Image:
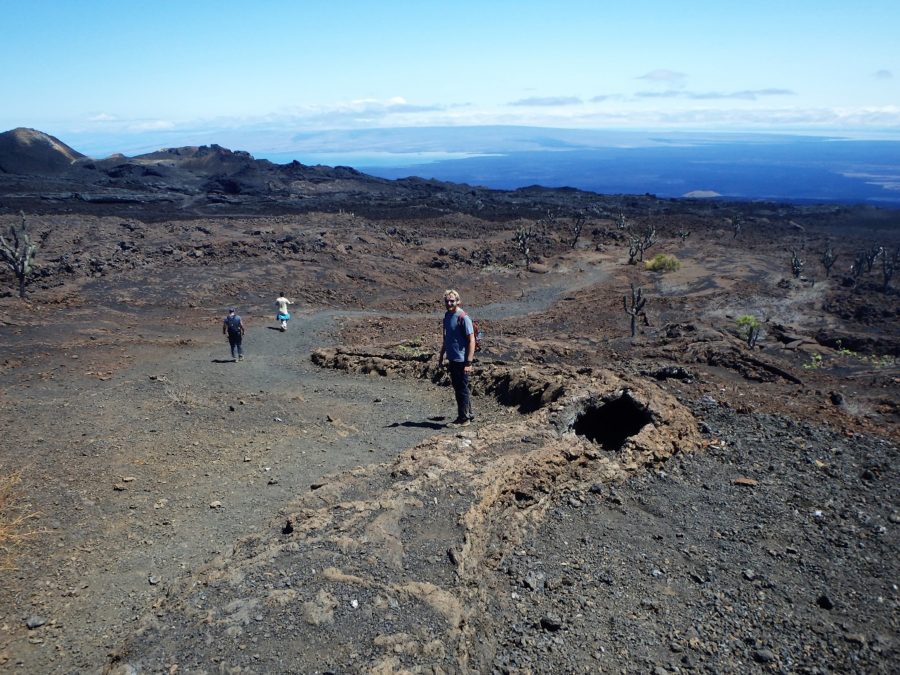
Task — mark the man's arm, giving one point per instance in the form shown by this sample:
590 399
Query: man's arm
470 349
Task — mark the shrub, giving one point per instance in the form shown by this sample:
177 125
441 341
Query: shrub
815 362
662 262
747 321
13 519
750 327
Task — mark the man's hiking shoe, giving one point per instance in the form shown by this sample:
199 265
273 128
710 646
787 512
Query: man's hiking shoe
460 422
240 358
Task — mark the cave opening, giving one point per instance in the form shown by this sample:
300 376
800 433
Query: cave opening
610 423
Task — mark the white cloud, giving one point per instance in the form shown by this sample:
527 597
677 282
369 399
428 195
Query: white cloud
151 125
102 117
663 75
547 101
745 94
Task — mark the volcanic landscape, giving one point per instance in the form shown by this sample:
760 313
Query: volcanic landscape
717 492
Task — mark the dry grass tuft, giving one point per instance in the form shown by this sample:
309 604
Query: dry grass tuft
14 516
180 395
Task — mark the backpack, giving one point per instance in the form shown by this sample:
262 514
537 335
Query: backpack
476 331
234 324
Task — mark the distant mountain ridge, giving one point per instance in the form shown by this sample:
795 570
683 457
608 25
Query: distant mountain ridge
42 173
35 166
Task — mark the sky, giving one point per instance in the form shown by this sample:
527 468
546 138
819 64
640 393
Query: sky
119 73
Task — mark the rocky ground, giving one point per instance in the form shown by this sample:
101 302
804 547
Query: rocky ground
672 502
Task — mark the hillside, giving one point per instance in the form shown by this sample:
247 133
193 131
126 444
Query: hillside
26 151
676 500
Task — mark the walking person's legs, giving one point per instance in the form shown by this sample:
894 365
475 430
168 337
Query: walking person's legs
460 380
237 348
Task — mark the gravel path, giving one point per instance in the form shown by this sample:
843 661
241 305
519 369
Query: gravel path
176 453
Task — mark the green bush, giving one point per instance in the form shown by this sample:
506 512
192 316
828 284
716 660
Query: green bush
747 321
663 262
750 328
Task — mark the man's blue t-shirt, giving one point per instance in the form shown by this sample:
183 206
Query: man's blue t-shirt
456 334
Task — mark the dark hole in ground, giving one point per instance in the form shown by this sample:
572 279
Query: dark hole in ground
610 423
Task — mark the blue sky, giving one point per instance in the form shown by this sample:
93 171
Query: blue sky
120 73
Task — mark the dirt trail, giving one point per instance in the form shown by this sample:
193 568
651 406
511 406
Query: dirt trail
137 460
164 452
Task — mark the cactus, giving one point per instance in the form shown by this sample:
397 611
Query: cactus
18 253
577 226
888 263
796 264
523 238
828 259
636 309
647 239
641 243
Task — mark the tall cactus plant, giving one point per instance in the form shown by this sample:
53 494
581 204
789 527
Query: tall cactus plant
18 253
637 307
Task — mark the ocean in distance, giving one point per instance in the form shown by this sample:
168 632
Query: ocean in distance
790 168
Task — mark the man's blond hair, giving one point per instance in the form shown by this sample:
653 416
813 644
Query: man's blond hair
451 293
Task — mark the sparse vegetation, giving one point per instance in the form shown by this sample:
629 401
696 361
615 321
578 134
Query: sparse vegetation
750 328
870 256
577 226
663 262
888 264
14 517
413 348
828 259
815 362
858 266
796 264
179 394
875 360
641 243
636 308
523 238
166 446
18 253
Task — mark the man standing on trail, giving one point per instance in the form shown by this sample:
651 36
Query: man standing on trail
459 347
283 315
233 327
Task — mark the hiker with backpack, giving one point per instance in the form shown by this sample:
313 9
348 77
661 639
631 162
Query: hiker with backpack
459 347
233 327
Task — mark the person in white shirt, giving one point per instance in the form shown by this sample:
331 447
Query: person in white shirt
283 315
